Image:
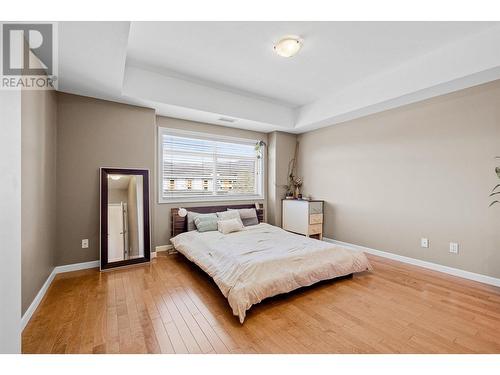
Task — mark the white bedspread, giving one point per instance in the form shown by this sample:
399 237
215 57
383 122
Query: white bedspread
263 261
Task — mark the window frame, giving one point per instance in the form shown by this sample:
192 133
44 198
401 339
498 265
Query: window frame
207 198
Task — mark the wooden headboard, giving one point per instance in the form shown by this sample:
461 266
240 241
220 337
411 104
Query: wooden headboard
179 224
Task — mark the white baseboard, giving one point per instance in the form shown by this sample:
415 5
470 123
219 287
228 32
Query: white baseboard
169 248
38 298
77 266
417 262
163 248
422 263
41 293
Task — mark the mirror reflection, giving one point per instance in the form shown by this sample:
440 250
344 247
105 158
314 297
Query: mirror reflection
125 217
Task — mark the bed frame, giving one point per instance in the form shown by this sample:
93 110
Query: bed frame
179 224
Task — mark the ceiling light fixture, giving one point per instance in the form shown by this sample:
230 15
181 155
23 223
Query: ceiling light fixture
227 119
288 46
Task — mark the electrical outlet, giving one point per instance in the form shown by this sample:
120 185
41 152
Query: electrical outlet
424 242
454 247
85 243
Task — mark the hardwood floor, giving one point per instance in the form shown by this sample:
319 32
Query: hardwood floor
170 306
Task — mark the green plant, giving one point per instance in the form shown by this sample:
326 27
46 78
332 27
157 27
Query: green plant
259 148
494 191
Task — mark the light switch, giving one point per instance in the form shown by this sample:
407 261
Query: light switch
85 243
424 242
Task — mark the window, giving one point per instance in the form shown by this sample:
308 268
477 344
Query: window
196 166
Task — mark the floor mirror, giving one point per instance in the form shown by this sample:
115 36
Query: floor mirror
125 229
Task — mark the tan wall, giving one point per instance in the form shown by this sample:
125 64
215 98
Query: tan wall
117 195
94 133
162 211
271 175
423 170
38 190
281 150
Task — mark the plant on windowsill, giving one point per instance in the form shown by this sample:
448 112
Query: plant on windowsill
494 191
259 148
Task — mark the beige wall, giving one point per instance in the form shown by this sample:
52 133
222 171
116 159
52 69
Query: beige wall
94 133
423 170
162 210
117 195
38 190
280 151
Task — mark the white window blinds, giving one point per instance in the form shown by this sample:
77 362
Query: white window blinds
198 167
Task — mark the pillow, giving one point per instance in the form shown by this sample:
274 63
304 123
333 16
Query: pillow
226 215
248 216
206 222
190 218
230 225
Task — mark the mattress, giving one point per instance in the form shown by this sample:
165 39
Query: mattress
262 261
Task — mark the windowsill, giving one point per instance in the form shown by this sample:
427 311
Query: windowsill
209 199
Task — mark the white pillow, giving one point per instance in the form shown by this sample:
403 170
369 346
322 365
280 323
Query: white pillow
226 215
228 226
248 216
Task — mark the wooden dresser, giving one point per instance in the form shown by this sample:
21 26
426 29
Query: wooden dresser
303 217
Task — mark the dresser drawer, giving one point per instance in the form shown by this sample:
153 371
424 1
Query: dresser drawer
315 228
316 219
315 207
303 216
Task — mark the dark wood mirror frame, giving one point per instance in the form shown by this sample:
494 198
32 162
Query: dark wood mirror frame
104 217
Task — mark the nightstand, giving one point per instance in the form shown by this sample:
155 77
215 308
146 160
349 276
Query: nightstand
303 217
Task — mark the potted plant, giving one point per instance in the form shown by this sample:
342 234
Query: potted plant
297 183
259 148
294 182
292 188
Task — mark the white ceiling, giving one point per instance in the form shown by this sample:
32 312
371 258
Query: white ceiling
202 71
120 184
240 54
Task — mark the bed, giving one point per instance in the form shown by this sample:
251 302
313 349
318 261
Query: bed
262 260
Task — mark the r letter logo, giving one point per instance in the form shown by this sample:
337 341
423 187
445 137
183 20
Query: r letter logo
28 55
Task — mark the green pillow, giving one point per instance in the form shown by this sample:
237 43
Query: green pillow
206 222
